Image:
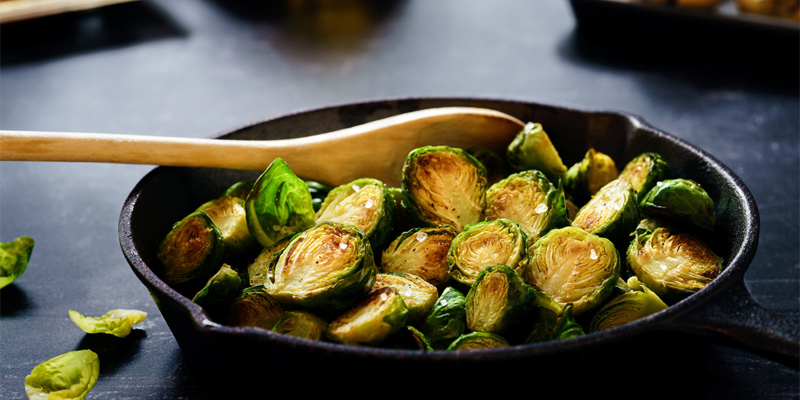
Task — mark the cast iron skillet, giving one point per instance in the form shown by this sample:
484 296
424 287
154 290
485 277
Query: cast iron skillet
723 311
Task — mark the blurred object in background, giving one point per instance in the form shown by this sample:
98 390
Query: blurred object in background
18 10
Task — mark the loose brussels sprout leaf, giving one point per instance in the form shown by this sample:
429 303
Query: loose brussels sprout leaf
258 270
529 199
644 171
67 376
408 338
672 264
447 320
255 307
443 186
612 212
220 290
499 300
192 250
318 192
228 214
14 258
376 317
484 244
532 149
682 200
420 251
239 189
550 325
326 268
117 322
302 324
496 167
279 205
626 308
584 178
573 266
478 341
365 203
419 295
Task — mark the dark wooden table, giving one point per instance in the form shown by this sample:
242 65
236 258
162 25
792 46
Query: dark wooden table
198 68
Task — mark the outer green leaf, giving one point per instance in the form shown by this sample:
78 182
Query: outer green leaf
14 257
68 376
117 322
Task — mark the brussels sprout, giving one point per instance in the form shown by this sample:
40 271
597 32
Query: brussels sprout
682 200
255 307
67 376
365 203
192 251
612 212
14 258
220 290
484 244
529 199
325 268
644 171
419 295
496 167
672 264
279 205
117 322
532 149
420 251
302 324
625 308
447 320
258 270
584 178
443 186
376 317
478 341
408 338
318 192
239 189
499 300
574 266
228 214
552 325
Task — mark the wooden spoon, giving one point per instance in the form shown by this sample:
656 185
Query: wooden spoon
376 149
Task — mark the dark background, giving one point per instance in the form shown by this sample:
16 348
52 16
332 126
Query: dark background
199 68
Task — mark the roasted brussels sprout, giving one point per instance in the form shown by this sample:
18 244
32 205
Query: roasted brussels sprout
484 244
529 199
255 307
554 325
672 264
478 341
443 186
365 203
375 318
67 376
14 258
117 322
532 149
239 189
325 268
574 266
192 251
258 270
625 308
408 338
302 324
496 167
420 251
447 320
279 205
612 212
584 178
499 300
419 295
220 290
644 171
683 200
228 214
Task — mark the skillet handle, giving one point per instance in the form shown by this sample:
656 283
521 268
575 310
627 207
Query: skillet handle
736 318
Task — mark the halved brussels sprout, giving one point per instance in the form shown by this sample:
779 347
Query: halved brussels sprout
326 268
612 212
117 322
192 251
419 295
529 199
496 167
420 251
683 200
376 317
644 171
478 341
228 214
258 270
672 264
574 266
365 203
552 325
279 205
447 320
302 324
484 244
532 149
499 300
67 376
584 178
255 307
239 189
220 290
625 308
443 186
408 338
318 192
14 258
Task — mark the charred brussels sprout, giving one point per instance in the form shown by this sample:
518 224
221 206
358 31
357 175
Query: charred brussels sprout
573 266
14 258
584 178
258 270
228 214
478 341
443 186
220 290
255 307
365 203
418 294
318 192
612 212
672 264
422 252
499 300
279 205
375 318
682 200
239 189
327 267
644 171
67 376
302 324
117 322
484 244
496 166
447 320
532 149
625 308
529 199
192 251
